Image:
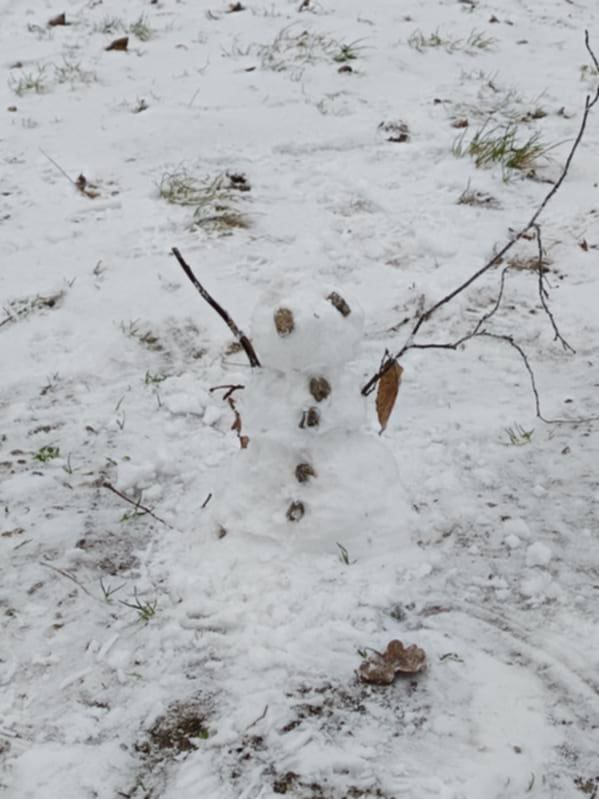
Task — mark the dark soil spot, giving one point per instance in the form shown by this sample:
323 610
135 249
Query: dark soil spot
179 730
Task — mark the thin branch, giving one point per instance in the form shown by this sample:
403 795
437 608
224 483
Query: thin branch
68 576
230 389
136 505
260 717
543 295
587 44
237 423
533 383
239 335
590 102
58 166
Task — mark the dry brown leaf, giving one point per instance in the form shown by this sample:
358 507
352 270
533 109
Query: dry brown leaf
85 187
59 19
121 43
387 393
381 668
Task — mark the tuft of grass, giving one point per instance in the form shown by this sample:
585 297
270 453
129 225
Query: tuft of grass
500 146
47 453
152 379
141 29
471 196
214 200
344 555
109 25
108 591
144 336
36 82
589 72
146 610
348 52
72 73
181 188
22 308
518 436
475 42
293 48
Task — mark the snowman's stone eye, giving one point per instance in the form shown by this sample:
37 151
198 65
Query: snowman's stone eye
284 321
310 418
320 388
339 303
304 471
295 511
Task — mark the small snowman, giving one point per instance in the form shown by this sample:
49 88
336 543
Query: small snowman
312 473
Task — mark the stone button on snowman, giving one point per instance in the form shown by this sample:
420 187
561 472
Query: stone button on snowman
312 474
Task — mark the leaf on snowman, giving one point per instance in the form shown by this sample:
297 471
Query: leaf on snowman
381 668
387 393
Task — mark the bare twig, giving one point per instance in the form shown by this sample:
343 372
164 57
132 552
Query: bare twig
68 576
260 717
237 424
589 103
533 383
543 295
206 501
230 389
239 335
58 166
136 505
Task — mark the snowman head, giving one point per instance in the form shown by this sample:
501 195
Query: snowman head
309 328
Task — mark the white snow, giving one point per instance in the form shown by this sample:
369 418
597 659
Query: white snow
538 554
211 648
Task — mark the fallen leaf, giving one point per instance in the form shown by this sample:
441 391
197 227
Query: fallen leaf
387 393
59 19
121 43
381 668
460 123
85 187
584 245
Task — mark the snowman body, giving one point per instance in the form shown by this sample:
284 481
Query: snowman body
311 475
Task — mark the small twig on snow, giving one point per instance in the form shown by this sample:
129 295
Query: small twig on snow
239 335
260 717
136 505
228 397
68 576
543 295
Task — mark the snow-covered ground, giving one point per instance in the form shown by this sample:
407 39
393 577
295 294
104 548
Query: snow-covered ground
143 656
